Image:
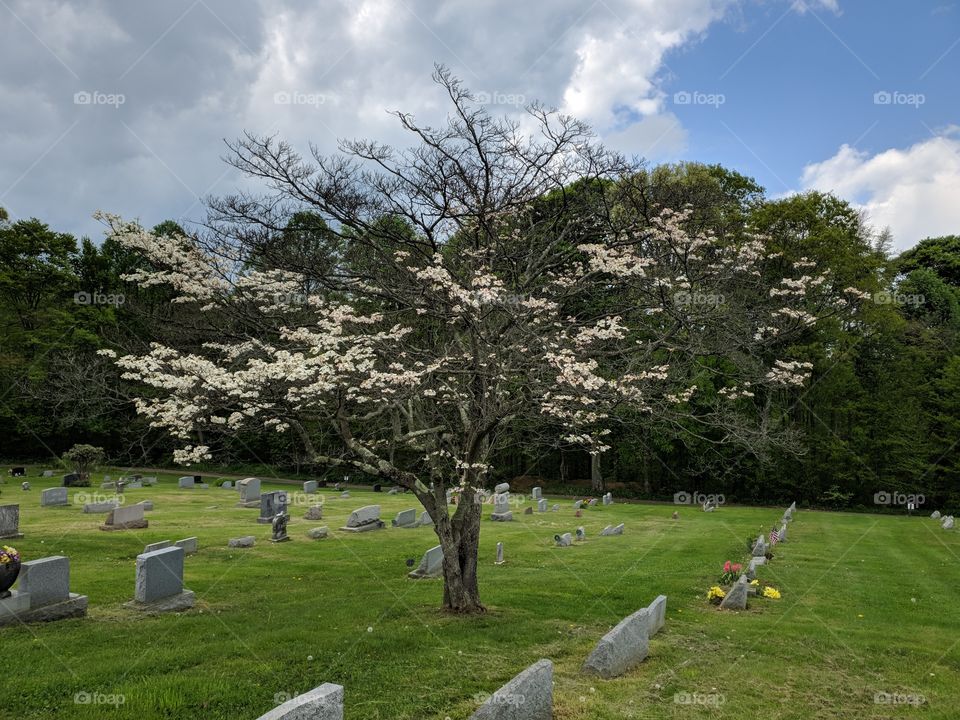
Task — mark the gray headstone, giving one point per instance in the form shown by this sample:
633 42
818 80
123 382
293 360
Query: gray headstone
581 534
365 518
394 490
159 575
153 547
227 485
271 505
622 648
736 598
24 486
502 488
310 486
935 515
9 521
126 516
431 565
499 553
528 696
48 473
314 512
321 703
247 541
565 540
612 530
947 523
47 580
100 507
186 482
542 505
318 533
249 489
537 493
53 496
425 519
608 499
592 502
189 545
501 506
147 504
555 508
578 504
657 615
405 518
759 547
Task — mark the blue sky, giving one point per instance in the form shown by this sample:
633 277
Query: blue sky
124 106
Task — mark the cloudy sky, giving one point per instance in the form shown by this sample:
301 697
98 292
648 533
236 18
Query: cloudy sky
124 105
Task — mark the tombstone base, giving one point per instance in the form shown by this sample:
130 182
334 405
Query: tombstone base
183 601
265 521
249 504
133 525
378 525
14 536
285 538
74 606
415 575
502 517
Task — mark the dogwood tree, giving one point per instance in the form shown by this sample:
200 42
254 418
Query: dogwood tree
491 275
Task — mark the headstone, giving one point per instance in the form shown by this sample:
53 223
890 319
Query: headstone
271 505
318 533
197 480
759 547
70 480
377 487
502 488
555 508
186 482
314 512
47 473
592 502
935 515
425 519
621 649
783 533
656 615
612 530
18 471
499 560
52 497
153 547
227 485
542 505
364 519
159 585
431 565
279 527
947 523
43 593
501 507
100 507
565 540
581 534
247 541
134 485
10 522
321 703
150 480
345 494
147 504
537 493
189 545
249 492
405 519
24 486
528 696
310 486
608 499
578 504
736 598
528 511
393 491
127 517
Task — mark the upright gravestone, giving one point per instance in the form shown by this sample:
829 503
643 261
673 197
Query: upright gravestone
47 473
153 547
314 512
405 519
528 696
249 489
499 560
736 597
310 486
555 508
622 648
542 505
578 504
947 523
189 545
96 508
377 487
657 615
612 530
271 505
279 527
52 497
502 488
70 480
537 493
501 507
321 703
10 522
759 547
431 565
608 499
425 519
129 517
935 515
581 534
159 585
564 540
43 593
186 482
364 519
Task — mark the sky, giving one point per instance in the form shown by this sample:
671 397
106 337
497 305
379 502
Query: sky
124 106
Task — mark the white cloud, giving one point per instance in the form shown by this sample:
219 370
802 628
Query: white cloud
913 191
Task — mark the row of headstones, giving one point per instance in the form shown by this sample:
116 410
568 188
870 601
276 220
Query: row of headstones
736 598
529 695
946 521
566 539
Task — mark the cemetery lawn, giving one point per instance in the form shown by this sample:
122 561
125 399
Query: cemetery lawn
869 605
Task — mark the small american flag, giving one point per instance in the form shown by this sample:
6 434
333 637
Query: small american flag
774 537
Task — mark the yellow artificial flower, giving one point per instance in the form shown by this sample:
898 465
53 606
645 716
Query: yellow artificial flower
754 582
772 593
716 592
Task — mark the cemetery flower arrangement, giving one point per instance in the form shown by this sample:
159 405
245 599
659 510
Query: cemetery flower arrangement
731 571
771 592
716 594
9 555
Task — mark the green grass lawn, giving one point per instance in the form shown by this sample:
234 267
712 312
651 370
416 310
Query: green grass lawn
870 605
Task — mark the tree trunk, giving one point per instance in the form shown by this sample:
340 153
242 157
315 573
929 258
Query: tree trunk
596 479
460 540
